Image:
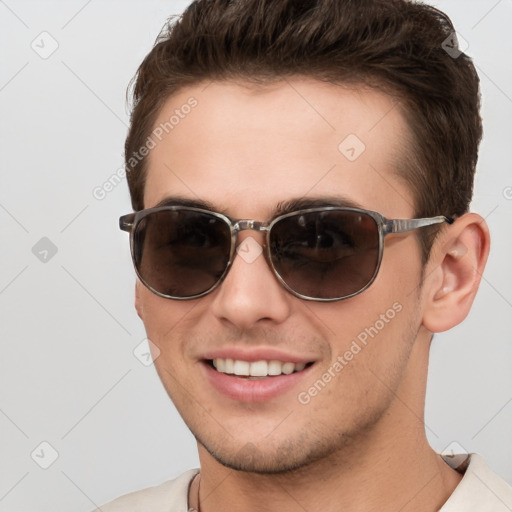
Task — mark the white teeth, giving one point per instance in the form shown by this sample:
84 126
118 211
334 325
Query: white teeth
288 368
241 367
229 366
257 368
274 367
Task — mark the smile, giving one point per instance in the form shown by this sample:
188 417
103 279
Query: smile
261 368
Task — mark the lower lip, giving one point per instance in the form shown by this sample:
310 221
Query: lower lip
257 390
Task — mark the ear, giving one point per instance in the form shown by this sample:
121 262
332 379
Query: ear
454 271
138 302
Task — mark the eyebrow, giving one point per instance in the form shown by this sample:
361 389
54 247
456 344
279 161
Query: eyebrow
303 203
185 201
283 207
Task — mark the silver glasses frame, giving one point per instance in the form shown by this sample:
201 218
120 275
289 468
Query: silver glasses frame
385 227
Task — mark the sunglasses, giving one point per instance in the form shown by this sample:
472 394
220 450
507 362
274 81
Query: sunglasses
322 254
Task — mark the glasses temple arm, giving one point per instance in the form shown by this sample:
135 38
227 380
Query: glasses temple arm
404 225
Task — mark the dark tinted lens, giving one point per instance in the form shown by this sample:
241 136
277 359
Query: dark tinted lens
181 253
326 255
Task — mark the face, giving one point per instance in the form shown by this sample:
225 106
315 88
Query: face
245 150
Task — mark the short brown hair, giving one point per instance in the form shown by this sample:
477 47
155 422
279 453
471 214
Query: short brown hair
399 46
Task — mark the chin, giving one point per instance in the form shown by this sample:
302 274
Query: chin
288 457
315 444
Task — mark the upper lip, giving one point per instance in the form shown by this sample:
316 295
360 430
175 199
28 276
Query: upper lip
256 354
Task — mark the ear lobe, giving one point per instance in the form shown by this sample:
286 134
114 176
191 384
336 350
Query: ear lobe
457 263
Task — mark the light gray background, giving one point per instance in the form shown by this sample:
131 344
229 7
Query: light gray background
68 375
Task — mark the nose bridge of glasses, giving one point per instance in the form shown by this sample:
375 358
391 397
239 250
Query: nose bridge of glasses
253 225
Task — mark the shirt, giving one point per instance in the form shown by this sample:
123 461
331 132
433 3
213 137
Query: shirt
480 490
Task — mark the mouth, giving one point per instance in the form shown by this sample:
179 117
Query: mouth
260 380
254 370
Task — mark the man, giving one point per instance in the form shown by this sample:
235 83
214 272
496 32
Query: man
301 174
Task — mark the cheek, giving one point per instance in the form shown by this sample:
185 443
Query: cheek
368 361
374 332
165 322
356 324
163 319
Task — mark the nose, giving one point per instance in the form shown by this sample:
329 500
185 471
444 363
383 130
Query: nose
251 293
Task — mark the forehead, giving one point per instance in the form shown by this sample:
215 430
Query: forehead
246 148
